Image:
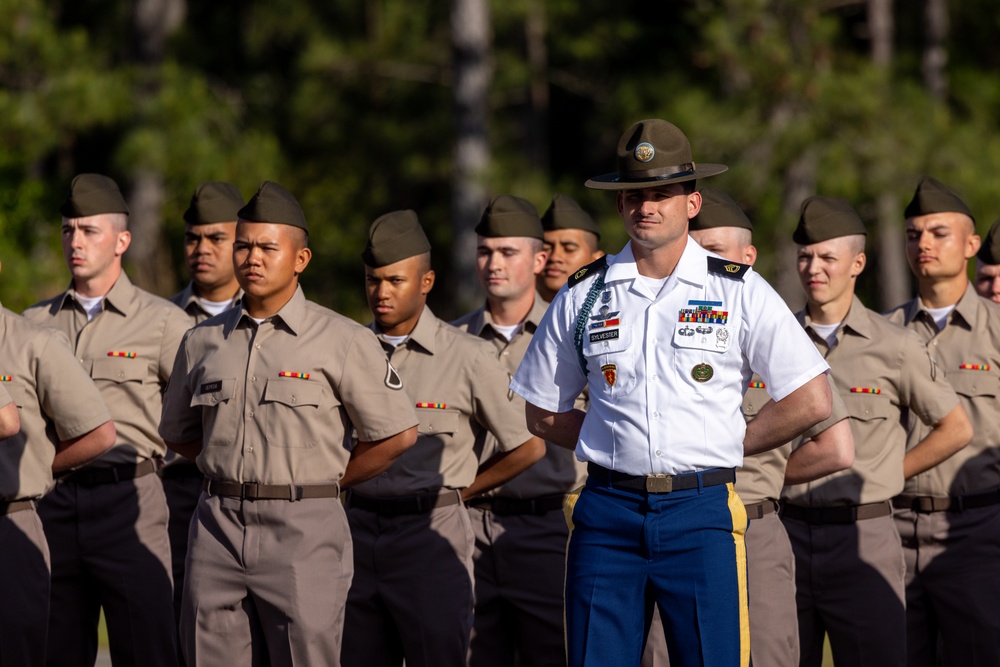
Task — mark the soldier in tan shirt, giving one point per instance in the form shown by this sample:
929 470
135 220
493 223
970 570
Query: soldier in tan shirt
265 396
987 281
63 424
572 240
10 421
722 227
412 595
521 532
849 561
209 230
106 523
949 515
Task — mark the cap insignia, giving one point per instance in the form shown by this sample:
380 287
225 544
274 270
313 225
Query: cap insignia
644 152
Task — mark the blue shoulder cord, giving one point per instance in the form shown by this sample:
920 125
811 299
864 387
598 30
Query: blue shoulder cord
581 320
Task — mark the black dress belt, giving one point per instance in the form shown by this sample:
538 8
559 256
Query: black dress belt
660 483
398 506
839 514
256 491
511 506
928 504
116 473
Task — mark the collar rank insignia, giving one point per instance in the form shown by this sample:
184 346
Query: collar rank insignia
724 267
293 374
610 373
392 379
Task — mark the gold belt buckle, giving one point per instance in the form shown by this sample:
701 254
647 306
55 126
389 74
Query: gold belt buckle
659 483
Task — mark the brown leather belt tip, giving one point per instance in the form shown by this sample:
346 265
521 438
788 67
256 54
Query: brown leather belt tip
761 509
392 506
11 506
842 514
511 506
256 491
929 504
112 474
660 483
181 471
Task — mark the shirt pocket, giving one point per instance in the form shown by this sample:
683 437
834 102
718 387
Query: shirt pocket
294 412
974 385
610 361
118 369
868 407
218 414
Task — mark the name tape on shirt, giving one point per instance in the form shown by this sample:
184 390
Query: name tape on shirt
598 336
210 387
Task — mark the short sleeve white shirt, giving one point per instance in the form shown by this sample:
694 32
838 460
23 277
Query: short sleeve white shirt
666 371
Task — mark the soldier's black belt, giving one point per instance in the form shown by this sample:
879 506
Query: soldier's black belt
398 506
255 491
185 470
761 509
511 506
112 474
11 506
929 504
841 514
660 483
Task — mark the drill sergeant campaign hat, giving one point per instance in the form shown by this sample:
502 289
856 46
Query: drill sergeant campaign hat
506 216
825 218
93 194
212 202
394 237
565 213
274 204
932 196
719 210
989 252
653 153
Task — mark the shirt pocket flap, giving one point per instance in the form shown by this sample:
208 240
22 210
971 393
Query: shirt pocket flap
867 407
973 383
213 392
606 341
118 369
434 421
293 392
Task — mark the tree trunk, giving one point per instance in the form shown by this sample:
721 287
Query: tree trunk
538 139
471 49
935 54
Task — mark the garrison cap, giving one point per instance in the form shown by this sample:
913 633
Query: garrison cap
989 252
274 204
933 196
653 153
394 237
565 213
825 218
507 215
93 194
212 202
719 210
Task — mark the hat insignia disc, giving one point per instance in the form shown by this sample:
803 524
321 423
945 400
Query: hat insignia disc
644 152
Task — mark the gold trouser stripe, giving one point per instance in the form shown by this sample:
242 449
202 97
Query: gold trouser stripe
737 509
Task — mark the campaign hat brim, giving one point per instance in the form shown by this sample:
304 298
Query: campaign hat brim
613 181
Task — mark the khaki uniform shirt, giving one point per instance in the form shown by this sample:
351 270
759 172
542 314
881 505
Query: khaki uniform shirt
879 369
460 393
4 397
128 350
187 301
763 475
274 402
558 472
56 401
967 352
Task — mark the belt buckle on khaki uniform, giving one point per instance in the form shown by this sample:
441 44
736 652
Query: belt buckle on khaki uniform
659 483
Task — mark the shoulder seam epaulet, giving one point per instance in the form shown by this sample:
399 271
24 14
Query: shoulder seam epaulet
597 265
724 267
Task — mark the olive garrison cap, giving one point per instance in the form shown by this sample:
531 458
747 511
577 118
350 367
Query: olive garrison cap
825 218
507 215
989 252
274 204
653 153
394 237
212 202
719 210
565 213
932 196
93 194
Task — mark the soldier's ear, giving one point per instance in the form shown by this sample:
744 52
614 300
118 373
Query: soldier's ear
427 282
302 257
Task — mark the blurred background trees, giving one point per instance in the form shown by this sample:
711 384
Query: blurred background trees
361 107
